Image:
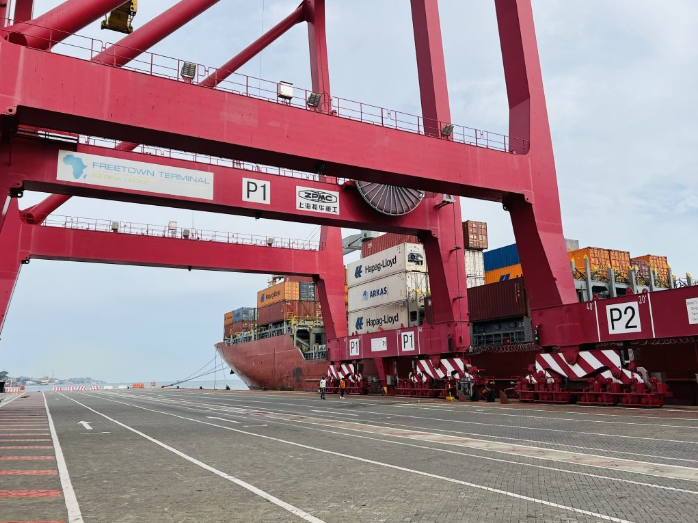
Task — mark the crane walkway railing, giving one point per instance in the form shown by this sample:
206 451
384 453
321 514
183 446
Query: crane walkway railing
172 230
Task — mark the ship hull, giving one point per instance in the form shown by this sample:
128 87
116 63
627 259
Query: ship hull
274 364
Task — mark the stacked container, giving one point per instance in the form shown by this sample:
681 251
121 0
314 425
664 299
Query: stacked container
651 261
239 320
385 241
475 235
474 268
386 290
286 300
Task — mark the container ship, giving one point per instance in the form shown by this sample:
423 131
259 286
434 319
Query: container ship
281 344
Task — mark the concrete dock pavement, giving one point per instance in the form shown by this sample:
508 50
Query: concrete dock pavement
265 456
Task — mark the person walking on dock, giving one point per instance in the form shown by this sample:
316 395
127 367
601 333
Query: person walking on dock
342 386
323 388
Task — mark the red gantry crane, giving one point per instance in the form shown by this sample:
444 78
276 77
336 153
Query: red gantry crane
72 125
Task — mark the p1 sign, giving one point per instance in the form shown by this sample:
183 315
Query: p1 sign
623 318
407 341
354 347
256 191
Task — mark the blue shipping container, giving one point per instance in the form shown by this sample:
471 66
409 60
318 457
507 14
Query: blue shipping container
502 257
244 314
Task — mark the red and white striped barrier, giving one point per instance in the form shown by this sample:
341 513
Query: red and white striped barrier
57 389
608 362
447 367
70 388
13 389
94 387
82 387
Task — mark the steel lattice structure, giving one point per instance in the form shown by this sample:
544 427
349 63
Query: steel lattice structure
48 102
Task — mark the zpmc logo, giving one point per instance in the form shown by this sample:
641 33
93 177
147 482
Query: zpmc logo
357 272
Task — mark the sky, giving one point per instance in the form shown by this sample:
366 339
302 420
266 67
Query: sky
619 78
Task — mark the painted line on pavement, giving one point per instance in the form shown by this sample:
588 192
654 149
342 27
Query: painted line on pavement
6 403
71 501
387 465
259 492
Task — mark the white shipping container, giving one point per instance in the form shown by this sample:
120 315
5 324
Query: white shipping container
474 263
404 257
386 317
475 281
397 287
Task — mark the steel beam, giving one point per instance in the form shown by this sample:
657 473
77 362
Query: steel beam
317 44
444 251
253 49
23 10
10 259
537 221
152 32
59 23
35 166
233 126
22 241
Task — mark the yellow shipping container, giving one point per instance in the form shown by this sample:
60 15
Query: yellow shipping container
620 261
284 291
660 263
228 318
505 273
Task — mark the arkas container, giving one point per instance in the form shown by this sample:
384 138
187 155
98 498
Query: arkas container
401 286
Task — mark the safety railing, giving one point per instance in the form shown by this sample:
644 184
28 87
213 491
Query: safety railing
153 64
173 231
163 152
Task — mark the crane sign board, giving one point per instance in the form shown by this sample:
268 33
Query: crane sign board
623 317
92 169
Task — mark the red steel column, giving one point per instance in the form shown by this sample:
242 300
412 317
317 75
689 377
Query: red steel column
317 42
10 259
444 247
537 222
60 22
152 32
23 10
331 281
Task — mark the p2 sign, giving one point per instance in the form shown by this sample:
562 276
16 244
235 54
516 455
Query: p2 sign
354 347
623 317
407 341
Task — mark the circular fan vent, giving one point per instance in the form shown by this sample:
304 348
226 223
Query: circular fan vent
388 199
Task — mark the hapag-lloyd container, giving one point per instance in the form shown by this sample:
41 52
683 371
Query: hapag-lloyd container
386 317
284 291
397 287
404 257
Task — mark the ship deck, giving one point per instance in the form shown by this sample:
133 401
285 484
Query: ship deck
209 456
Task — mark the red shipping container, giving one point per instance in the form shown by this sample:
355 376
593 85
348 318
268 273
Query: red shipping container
475 235
287 310
240 326
386 241
506 299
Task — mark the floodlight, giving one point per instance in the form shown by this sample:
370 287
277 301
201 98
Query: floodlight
284 90
447 130
185 233
188 71
115 226
270 241
313 99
